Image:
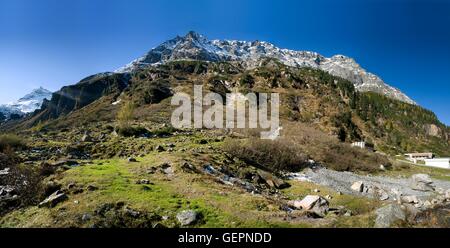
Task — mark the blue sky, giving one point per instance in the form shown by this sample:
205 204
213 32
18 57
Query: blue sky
52 43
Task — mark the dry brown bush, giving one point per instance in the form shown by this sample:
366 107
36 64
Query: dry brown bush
297 143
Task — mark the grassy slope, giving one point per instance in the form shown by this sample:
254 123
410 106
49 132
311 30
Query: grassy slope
116 180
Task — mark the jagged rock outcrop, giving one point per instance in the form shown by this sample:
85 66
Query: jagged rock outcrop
76 96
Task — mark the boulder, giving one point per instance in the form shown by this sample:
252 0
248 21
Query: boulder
159 148
91 187
86 137
410 199
272 181
314 203
358 186
131 160
424 178
187 217
4 172
53 199
7 190
143 181
422 182
382 195
387 215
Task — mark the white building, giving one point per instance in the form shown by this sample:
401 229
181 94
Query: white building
438 162
361 144
414 157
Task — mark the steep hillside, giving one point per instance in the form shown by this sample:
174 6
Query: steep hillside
309 96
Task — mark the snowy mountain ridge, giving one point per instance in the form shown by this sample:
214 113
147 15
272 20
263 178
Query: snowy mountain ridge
194 46
27 104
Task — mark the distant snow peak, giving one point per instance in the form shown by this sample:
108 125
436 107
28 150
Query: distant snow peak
194 46
27 104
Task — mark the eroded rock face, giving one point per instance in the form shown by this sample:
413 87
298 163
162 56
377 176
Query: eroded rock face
388 215
76 96
433 130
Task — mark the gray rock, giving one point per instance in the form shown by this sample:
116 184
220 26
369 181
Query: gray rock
424 178
389 214
187 217
53 199
4 172
159 148
131 160
86 217
6 190
358 186
314 203
410 199
92 187
86 137
143 181
272 181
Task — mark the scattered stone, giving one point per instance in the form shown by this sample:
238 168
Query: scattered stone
131 160
314 203
158 225
131 212
272 181
382 167
389 214
410 199
447 194
4 172
358 186
187 217
86 137
86 217
316 190
66 162
53 199
187 167
422 187
382 195
143 181
91 187
76 202
422 182
171 145
159 148
7 190
424 178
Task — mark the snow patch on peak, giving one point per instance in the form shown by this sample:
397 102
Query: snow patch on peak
27 104
194 46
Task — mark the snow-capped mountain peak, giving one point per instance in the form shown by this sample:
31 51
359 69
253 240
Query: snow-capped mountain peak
27 104
194 46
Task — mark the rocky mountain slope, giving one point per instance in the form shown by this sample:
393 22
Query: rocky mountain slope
26 104
197 47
